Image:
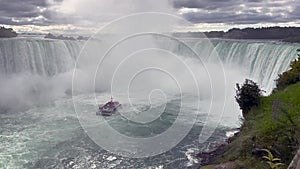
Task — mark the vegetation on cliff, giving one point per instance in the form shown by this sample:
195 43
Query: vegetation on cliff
289 77
7 32
273 125
248 95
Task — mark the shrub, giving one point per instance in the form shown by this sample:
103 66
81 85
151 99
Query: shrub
248 95
289 77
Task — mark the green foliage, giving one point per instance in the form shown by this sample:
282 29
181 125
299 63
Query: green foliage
274 124
289 77
271 122
248 95
282 115
271 160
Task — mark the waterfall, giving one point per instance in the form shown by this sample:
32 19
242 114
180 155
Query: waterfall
260 61
37 56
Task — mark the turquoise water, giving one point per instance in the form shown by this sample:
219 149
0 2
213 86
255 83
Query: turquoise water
39 127
52 137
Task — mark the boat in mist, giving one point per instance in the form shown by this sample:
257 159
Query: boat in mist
109 108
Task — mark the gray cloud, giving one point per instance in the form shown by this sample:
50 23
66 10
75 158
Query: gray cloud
25 12
204 4
41 13
240 11
16 9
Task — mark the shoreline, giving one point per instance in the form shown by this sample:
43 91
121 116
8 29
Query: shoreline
209 158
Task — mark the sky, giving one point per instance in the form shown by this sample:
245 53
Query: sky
86 16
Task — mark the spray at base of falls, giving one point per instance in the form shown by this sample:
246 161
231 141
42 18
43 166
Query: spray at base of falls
30 66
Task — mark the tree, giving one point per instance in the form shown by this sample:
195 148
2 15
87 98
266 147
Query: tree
7 32
248 95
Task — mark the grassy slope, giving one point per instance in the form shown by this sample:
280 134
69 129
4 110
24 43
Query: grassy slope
264 127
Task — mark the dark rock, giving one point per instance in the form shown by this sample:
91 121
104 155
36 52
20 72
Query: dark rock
208 158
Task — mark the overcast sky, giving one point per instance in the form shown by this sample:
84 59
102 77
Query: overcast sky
86 15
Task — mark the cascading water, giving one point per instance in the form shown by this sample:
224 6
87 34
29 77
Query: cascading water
49 136
33 71
37 56
261 61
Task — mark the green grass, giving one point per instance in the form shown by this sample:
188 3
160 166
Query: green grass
266 127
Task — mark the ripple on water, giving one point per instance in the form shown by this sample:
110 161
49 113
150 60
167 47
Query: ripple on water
51 137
